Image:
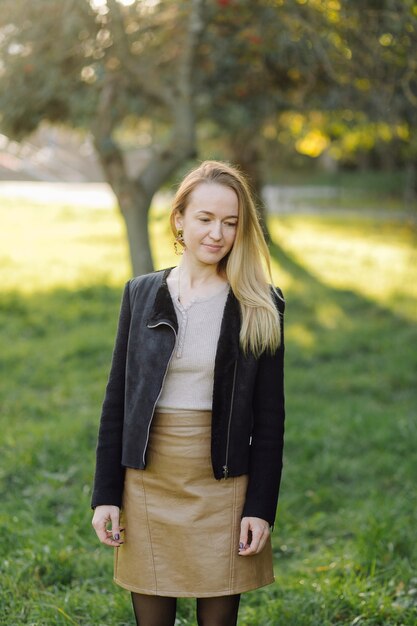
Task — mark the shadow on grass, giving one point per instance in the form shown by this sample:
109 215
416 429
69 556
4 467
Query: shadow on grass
311 285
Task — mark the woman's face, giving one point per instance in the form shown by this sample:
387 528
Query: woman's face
209 223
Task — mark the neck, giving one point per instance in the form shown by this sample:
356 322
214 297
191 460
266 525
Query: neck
193 275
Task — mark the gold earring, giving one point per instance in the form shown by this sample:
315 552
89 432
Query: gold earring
179 239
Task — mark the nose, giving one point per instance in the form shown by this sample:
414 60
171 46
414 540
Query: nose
216 232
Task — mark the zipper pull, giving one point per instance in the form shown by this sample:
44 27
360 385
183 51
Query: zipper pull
225 471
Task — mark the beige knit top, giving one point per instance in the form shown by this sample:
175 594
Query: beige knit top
189 380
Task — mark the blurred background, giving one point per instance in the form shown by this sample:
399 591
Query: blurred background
104 106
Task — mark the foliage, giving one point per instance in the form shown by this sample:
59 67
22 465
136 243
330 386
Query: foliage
346 67
381 38
254 60
344 541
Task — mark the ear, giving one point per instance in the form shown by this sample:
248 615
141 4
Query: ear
178 220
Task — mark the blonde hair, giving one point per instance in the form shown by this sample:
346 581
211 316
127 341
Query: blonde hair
244 266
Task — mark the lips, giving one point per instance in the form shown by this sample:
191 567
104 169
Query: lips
212 248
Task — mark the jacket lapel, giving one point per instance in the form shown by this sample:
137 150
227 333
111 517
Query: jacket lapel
228 345
163 308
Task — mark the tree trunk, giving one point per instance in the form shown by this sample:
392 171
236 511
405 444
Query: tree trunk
135 210
134 202
135 195
247 156
410 185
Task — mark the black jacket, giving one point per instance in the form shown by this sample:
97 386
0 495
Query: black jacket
248 398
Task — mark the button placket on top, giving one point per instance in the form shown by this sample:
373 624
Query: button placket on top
182 326
183 321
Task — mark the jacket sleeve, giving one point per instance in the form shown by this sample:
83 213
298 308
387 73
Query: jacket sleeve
268 433
109 473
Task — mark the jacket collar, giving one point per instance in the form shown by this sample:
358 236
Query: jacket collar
163 308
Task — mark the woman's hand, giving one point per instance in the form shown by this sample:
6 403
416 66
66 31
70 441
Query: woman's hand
254 533
103 515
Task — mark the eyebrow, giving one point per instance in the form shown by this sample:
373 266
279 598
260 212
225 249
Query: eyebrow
228 217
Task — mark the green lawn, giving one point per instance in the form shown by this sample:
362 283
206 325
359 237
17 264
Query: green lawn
345 539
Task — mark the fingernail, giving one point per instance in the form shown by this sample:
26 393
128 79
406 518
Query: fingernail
116 536
241 546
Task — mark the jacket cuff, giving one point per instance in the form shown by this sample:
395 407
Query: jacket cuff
109 498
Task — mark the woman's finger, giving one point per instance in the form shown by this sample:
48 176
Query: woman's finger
257 533
263 540
244 533
115 516
108 540
112 542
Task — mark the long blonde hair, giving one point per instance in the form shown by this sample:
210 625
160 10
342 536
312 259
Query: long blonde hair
244 266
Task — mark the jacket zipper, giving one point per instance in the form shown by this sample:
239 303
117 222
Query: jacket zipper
225 466
160 391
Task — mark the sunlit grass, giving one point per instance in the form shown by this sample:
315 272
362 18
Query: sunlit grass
44 247
375 259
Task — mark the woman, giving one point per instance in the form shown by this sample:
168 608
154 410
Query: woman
189 453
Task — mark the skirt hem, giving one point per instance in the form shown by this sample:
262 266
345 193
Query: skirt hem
190 594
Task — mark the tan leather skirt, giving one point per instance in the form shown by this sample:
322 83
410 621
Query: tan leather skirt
182 525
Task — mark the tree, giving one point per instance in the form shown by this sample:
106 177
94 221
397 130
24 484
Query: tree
386 84
350 62
260 59
100 65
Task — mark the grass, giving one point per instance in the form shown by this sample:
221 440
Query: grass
344 541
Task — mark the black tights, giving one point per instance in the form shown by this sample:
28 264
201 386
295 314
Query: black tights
160 610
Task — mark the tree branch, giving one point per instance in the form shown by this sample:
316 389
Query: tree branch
406 86
182 140
147 81
108 150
